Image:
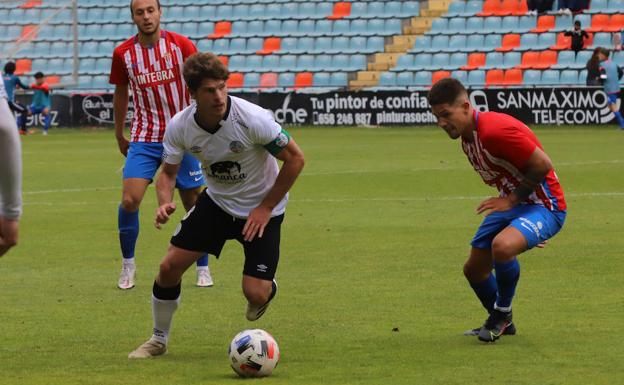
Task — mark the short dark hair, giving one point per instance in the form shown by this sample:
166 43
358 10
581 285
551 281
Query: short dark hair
578 22
39 75
9 68
604 51
446 91
203 65
132 1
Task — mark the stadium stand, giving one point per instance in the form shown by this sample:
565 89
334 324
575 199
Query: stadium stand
271 44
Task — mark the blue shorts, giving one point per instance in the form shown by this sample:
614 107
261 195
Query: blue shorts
612 98
535 222
144 159
37 109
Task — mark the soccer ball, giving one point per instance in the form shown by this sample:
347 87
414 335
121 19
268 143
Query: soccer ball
253 353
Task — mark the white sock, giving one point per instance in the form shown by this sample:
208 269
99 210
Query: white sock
162 311
202 268
128 261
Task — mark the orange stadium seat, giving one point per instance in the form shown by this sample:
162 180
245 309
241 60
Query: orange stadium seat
475 60
341 9
563 42
599 23
224 59
529 60
494 78
523 8
271 44
53 79
31 4
303 80
235 80
490 7
29 32
507 8
222 28
510 41
616 23
546 60
439 75
513 77
268 80
23 66
544 23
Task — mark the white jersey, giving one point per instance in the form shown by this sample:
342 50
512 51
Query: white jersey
3 93
238 169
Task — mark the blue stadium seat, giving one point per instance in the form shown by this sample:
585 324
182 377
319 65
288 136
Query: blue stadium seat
270 63
491 41
339 79
340 44
239 28
375 44
492 24
88 48
512 59
582 77
493 60
439 43
306 63
359 9
474 24
287 63
323 27
236 63
550 77
462 76
528 41
375 27
293 11
387 79
254 44
84 82
458 60
206 12
340 62
188 29
569 77
438 26
286 80
476 78
111 15
599 6
457 43
323 62
531 77
546 40
237 45
565 59
422 61
440 61
173 14
422 78
392 9
474 42
94 15
615 6
251 80
105 48
404 62
473 7
509 24
320 79
253 63
581 59
357 44
357 62
204 45
375 8
602 39
410 8
456 25
257 12
341 27
456 8
273 27
224 12
220 46
304 28
526 23
100 82
323 44
405 79
563 23
422 43
289 27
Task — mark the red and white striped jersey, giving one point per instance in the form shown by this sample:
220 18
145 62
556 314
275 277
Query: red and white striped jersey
155 77
502 145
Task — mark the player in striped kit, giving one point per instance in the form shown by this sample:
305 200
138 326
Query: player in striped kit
530 209
150 63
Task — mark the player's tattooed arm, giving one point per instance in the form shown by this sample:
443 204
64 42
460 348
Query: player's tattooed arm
537 167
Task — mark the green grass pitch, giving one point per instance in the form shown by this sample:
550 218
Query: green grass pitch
375 237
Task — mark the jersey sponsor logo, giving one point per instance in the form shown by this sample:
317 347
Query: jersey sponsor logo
236 146
227 172
155 78
196 149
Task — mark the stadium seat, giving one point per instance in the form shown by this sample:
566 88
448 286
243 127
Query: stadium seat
456 25
550 77
462 76
303 80
493 60
512 77
599 23
545 41
475 60
458 60
440 61
286 80
321 79
224 12
387 79
616 23
512 59
544 23
546 59
323 44
472 7
602 39
456 8
341 9
357 62
268 80
615 6
599 6
439 75
581 59
492 24
439 43
422 78
271 44
269 63
236 80
339 79
252 80
422 61
253 63
529 60
358 10
438 26
563 23
526 23
494 77
563 42
474 24
476 78
340 44
422 43
510 42
410 8
491 42
490 8
221 29
532 77
568 77
339 62
23 66
405 79
565 59
474 42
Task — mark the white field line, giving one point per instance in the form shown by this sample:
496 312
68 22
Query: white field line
615 194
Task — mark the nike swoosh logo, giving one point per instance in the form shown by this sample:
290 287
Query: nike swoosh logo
198 179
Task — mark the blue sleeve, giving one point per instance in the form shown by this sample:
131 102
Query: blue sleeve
18 81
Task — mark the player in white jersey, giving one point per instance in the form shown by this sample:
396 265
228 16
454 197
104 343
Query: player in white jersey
10 176
237 143
150 63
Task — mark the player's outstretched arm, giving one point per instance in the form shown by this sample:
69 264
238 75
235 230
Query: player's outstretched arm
164 192
120 106
293 159
537 167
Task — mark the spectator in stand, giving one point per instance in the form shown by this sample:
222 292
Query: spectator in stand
593 69
565 7
618 41
578 37
539 6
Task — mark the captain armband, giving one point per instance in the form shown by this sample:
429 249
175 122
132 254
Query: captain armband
279 143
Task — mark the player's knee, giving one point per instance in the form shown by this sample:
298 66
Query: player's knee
473 274
130 203
257 295
503 249
168 272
